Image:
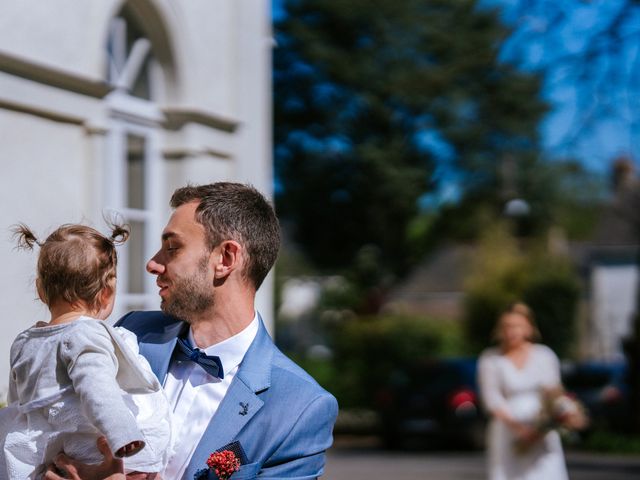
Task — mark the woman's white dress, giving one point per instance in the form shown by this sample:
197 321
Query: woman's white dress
519 392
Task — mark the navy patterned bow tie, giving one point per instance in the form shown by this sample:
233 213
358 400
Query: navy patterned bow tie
211 364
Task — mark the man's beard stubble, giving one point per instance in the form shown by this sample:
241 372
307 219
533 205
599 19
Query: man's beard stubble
190 295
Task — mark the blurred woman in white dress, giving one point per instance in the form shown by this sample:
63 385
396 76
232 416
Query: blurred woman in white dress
512 379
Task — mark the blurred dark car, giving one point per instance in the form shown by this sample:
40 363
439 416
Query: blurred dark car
432 400
603 390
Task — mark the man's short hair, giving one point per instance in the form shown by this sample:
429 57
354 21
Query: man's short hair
234 211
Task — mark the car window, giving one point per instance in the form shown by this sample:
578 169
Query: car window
586 380
443 375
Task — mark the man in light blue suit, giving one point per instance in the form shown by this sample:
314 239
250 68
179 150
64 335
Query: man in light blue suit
228 384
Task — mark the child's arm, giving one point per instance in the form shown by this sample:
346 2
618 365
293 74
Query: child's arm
130 449
89 355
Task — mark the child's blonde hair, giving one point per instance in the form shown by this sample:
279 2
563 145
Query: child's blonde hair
76 262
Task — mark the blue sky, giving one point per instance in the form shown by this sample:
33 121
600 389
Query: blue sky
572 99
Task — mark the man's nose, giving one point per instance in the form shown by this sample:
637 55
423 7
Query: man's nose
154 267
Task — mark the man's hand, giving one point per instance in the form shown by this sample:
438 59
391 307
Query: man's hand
63 467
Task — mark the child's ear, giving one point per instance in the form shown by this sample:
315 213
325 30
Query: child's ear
106 294
40 290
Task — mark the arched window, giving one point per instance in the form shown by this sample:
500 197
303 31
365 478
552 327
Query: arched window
131 66
133 169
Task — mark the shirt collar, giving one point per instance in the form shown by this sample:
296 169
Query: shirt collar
232 350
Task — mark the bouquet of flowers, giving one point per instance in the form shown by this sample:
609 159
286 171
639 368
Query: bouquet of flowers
560 411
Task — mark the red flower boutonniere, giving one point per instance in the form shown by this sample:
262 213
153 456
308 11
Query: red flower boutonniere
224 463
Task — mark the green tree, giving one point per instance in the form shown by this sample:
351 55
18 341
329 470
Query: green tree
377 102
503 273
560 193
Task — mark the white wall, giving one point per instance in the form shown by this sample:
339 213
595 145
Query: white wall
42 186
54 122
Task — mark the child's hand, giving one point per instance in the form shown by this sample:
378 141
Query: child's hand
63 467
130 449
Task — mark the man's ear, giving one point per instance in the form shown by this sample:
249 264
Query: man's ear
228 259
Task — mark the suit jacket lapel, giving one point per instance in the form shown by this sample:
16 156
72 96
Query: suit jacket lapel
240 403
158 349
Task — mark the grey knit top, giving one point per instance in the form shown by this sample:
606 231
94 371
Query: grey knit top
75 357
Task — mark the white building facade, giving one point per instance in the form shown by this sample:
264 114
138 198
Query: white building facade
613 286
108 106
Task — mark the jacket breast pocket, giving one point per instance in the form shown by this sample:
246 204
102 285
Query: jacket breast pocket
246 472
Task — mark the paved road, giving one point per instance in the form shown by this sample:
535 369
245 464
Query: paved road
348 461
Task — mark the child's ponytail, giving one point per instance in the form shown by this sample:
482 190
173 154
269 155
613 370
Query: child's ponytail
119 230
25 238
119 233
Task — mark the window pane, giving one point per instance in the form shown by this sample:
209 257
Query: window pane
136 260
135 171
142 84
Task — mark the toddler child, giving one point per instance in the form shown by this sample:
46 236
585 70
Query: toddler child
76 378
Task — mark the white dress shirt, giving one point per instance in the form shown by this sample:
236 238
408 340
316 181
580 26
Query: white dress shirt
194 395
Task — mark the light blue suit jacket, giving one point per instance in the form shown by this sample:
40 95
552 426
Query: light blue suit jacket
282 418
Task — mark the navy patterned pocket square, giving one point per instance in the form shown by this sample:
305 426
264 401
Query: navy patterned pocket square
237 449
